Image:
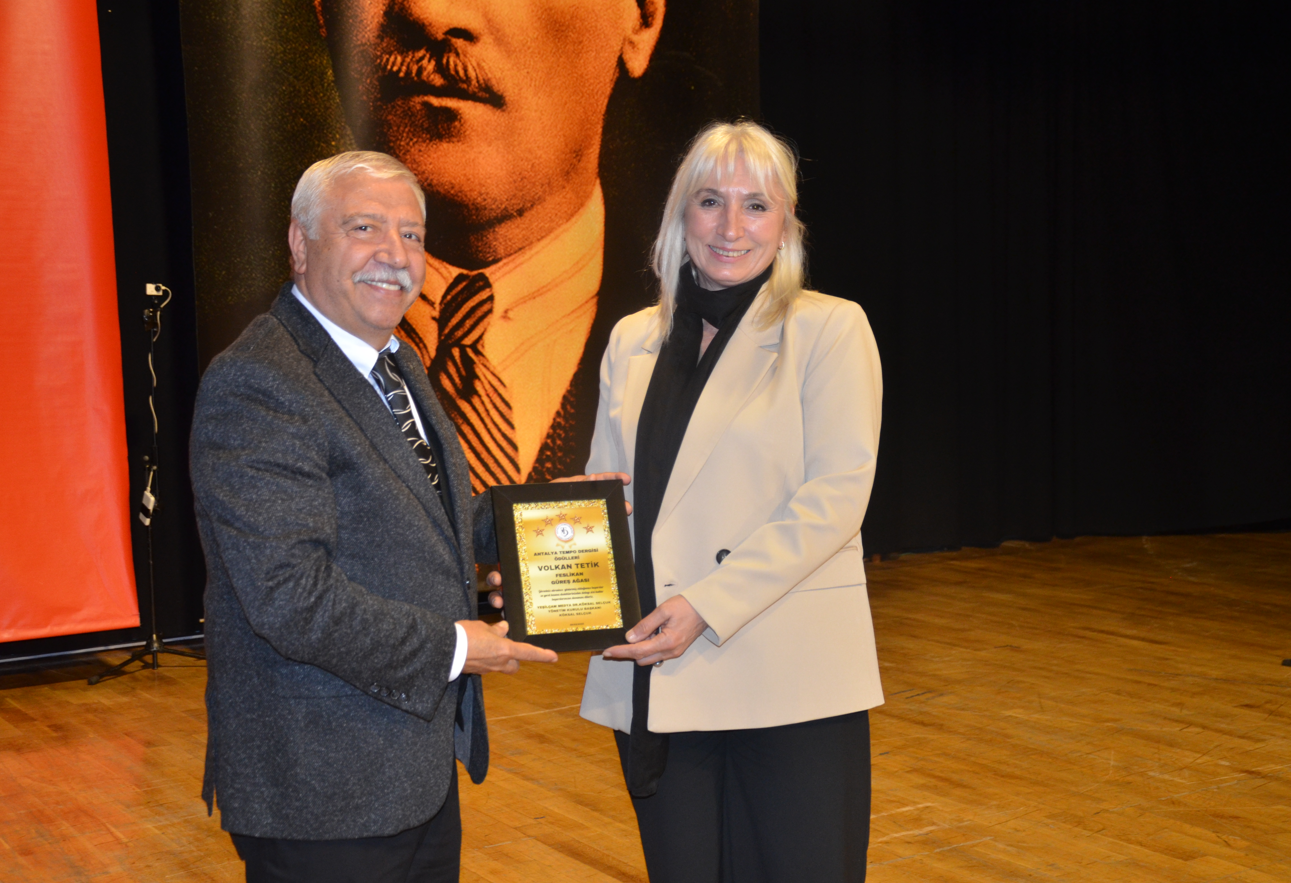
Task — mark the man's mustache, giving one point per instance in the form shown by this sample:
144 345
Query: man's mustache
386 275
444 71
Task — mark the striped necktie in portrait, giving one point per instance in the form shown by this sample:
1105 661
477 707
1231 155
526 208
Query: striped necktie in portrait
472 393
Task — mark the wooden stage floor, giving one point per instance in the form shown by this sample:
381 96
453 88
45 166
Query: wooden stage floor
1085 710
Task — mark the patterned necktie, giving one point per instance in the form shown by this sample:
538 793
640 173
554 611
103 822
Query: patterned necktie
386 374
469 389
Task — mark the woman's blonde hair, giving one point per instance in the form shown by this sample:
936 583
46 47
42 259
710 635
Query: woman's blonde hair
772 164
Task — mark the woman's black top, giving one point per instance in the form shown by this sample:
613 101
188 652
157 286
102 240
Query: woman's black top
680 374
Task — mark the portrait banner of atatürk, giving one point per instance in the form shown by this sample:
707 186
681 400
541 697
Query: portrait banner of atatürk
544 134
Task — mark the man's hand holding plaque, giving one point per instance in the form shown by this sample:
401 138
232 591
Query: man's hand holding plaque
488 648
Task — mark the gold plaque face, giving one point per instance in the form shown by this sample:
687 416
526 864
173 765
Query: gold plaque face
567 571
565 554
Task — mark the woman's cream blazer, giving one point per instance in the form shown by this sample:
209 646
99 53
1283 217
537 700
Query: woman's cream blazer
776 467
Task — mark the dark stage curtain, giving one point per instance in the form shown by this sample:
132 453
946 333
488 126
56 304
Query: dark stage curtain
1068 225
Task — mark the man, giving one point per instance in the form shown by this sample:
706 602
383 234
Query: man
497 106
341 535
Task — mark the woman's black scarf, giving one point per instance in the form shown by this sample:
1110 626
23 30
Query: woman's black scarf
680 374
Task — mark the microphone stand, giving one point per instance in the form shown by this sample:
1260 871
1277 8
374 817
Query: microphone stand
154 646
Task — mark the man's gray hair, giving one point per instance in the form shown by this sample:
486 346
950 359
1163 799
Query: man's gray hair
312 189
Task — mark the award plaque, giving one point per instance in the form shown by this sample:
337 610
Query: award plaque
568 581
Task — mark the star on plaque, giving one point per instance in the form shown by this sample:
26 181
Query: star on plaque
547 521
561 516
591 528
577 519
537 531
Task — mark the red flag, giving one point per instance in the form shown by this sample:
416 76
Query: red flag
65 563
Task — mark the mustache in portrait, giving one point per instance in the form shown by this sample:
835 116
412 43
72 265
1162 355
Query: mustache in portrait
443 70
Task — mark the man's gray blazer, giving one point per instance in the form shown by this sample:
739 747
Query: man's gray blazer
334 577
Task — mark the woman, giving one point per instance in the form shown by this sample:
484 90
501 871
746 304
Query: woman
746 410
